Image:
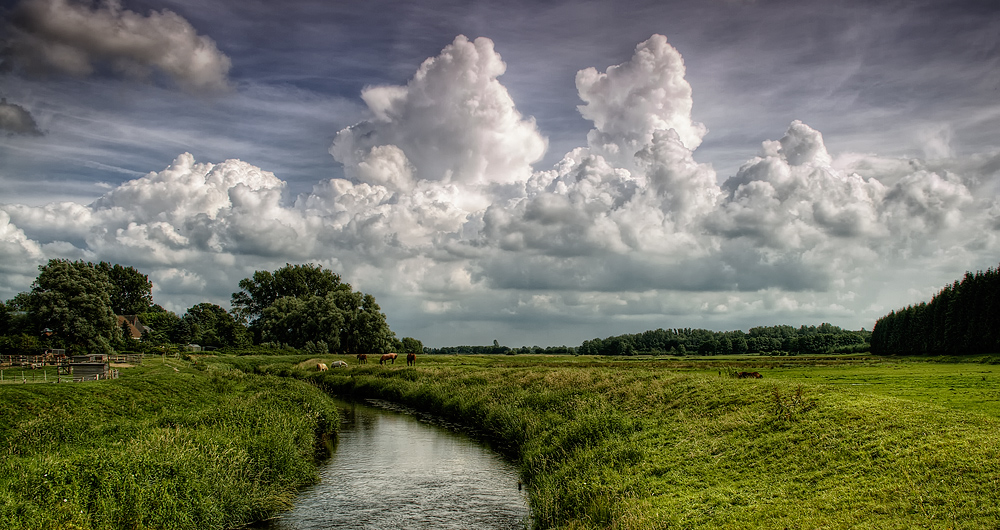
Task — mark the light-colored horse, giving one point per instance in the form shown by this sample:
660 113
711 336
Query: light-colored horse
388 357
321 367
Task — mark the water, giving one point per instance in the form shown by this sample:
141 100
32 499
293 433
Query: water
391 471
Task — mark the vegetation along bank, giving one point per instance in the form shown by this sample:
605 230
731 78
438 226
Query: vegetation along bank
614 443
168 445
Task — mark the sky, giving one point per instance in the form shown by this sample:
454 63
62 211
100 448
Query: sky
539 173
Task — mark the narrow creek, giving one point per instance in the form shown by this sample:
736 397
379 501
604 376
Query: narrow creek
390 470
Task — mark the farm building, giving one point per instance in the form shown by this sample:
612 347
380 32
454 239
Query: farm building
90 358
131 326
90 371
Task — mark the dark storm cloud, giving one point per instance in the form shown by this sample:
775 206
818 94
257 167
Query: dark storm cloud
15 119
76 38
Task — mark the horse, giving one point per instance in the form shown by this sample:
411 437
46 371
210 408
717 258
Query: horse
411 359
362 358
751 375
321 367
388 357
338 364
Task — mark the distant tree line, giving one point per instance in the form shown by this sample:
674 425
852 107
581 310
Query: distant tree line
825 338
74 305
497 349
963 318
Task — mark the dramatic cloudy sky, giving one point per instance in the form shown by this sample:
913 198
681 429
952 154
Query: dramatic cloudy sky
532 172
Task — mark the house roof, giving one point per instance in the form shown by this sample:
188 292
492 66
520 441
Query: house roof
131 322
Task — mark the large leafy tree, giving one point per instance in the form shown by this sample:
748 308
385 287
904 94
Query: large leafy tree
412 345
365 328
296 321
131 291
264 288
301 303
72 300
163 326
211 325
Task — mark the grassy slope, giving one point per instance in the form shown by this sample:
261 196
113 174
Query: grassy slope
157 448
640 445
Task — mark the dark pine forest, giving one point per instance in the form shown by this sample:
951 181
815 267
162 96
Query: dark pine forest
963 318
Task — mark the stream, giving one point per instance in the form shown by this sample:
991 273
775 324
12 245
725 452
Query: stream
390 470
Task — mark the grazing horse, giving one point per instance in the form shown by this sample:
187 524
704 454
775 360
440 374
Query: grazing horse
338 364
362 358
388 357
411 359
751 375
321 367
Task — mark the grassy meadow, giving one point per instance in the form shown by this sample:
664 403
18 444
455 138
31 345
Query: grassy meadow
624 443
169 445
639 443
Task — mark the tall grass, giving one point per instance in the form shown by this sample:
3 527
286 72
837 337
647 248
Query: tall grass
638 446
158 448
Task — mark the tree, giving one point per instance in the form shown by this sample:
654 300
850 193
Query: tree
162 325
131 291
301 303
264 288
5 320
73 300
212 325
412 345
297 321
365 329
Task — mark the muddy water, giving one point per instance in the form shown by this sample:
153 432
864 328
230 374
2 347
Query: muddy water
392 471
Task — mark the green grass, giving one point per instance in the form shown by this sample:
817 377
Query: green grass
659 443
48 374
618 443
165 446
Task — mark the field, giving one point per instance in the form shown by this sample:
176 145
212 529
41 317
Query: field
168 445
969 384
624 443
635 443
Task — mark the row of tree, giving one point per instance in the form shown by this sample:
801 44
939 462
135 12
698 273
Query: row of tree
502 350
75 304
963 318
825 338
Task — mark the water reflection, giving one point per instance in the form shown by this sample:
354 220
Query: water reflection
390 471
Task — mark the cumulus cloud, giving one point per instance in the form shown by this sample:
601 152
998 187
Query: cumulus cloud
77 38
629 102
15 119
439 216
453 122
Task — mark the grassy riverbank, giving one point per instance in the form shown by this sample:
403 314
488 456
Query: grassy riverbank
655 444
166 446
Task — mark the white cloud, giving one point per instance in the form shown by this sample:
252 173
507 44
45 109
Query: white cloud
453 122
630 102
76 38
438 219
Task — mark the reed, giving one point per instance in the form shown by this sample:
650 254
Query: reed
158 448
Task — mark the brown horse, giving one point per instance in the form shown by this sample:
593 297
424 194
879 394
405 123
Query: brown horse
411 359
362 358
388 357
752 375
